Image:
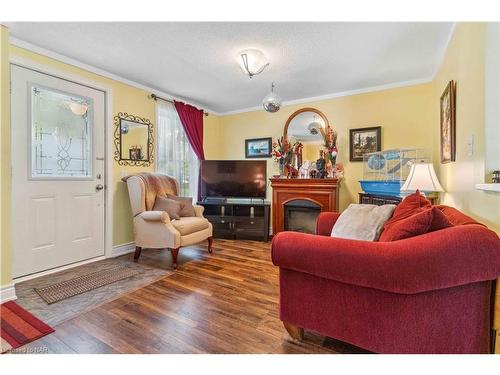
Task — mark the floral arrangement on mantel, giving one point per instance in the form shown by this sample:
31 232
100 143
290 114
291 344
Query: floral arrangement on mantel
331 150
282 153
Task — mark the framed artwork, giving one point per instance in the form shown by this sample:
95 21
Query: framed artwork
258 148
364 140
447 123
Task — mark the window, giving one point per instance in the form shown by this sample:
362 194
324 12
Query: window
60 135
175 157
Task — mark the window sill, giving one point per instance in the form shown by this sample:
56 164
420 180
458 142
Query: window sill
489 187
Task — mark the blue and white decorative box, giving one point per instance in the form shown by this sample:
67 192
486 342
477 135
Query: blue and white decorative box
385 172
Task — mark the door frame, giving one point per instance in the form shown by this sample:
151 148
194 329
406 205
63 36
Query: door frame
108 152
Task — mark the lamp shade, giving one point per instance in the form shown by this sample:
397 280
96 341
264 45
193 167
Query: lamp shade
422 177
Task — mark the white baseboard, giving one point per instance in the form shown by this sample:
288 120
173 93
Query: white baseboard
7 293
57 269
123 249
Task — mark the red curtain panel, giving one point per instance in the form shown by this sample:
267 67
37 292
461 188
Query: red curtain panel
192 121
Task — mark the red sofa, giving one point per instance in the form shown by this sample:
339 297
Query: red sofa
426 294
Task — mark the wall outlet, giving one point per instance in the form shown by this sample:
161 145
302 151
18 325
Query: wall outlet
470 145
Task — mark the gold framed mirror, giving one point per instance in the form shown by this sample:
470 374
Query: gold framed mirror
306 126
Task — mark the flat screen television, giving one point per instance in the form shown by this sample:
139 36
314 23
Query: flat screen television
233 178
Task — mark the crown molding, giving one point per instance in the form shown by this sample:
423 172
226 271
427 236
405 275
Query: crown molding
336 95
90 68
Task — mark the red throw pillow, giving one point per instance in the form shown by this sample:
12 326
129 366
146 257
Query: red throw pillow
428 220
409 206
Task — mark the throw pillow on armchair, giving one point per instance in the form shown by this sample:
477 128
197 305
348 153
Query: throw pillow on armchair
187 209
171 207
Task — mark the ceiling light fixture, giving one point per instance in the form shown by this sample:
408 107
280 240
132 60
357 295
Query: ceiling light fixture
272 101
252 61
78 109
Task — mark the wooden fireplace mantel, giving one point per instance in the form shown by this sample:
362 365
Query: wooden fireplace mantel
322 191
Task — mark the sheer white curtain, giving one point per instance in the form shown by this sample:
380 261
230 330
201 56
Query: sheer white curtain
174 155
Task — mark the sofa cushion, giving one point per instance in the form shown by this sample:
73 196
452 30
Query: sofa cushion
362 221
187 205
188 225
428 220
455 217
412 204
171 207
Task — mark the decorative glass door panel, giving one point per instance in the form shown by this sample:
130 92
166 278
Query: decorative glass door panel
61 134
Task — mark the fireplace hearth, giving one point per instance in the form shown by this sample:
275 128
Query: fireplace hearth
321 194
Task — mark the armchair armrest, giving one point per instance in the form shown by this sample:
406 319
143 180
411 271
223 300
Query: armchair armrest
155 216
446 258
198 210
325 223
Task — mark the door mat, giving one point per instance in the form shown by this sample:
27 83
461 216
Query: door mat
19 327
81 284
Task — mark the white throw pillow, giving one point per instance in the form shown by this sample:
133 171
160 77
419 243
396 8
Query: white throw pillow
362 221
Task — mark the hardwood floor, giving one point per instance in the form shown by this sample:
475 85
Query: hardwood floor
225 302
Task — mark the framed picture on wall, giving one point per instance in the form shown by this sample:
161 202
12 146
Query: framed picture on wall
258 148
363 141
447 123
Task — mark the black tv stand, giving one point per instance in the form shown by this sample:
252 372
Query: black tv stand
235 218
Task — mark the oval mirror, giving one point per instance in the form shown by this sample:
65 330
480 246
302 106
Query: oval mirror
307 126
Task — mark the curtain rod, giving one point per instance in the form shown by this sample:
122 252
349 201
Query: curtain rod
156 97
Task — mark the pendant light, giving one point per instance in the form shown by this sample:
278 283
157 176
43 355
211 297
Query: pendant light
314 126
272 101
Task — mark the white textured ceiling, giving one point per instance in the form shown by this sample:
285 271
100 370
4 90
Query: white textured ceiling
198 61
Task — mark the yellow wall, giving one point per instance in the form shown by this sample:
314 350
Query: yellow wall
404 114
125 99
5 204
211 137
464 63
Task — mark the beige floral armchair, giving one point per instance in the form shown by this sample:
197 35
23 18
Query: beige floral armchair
155 229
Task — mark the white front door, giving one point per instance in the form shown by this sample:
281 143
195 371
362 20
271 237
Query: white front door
57 171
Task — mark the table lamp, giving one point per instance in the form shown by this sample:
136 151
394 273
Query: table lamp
422 177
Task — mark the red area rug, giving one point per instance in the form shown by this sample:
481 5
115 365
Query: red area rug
19 327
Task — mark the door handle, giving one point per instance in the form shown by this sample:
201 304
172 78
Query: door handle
99 187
